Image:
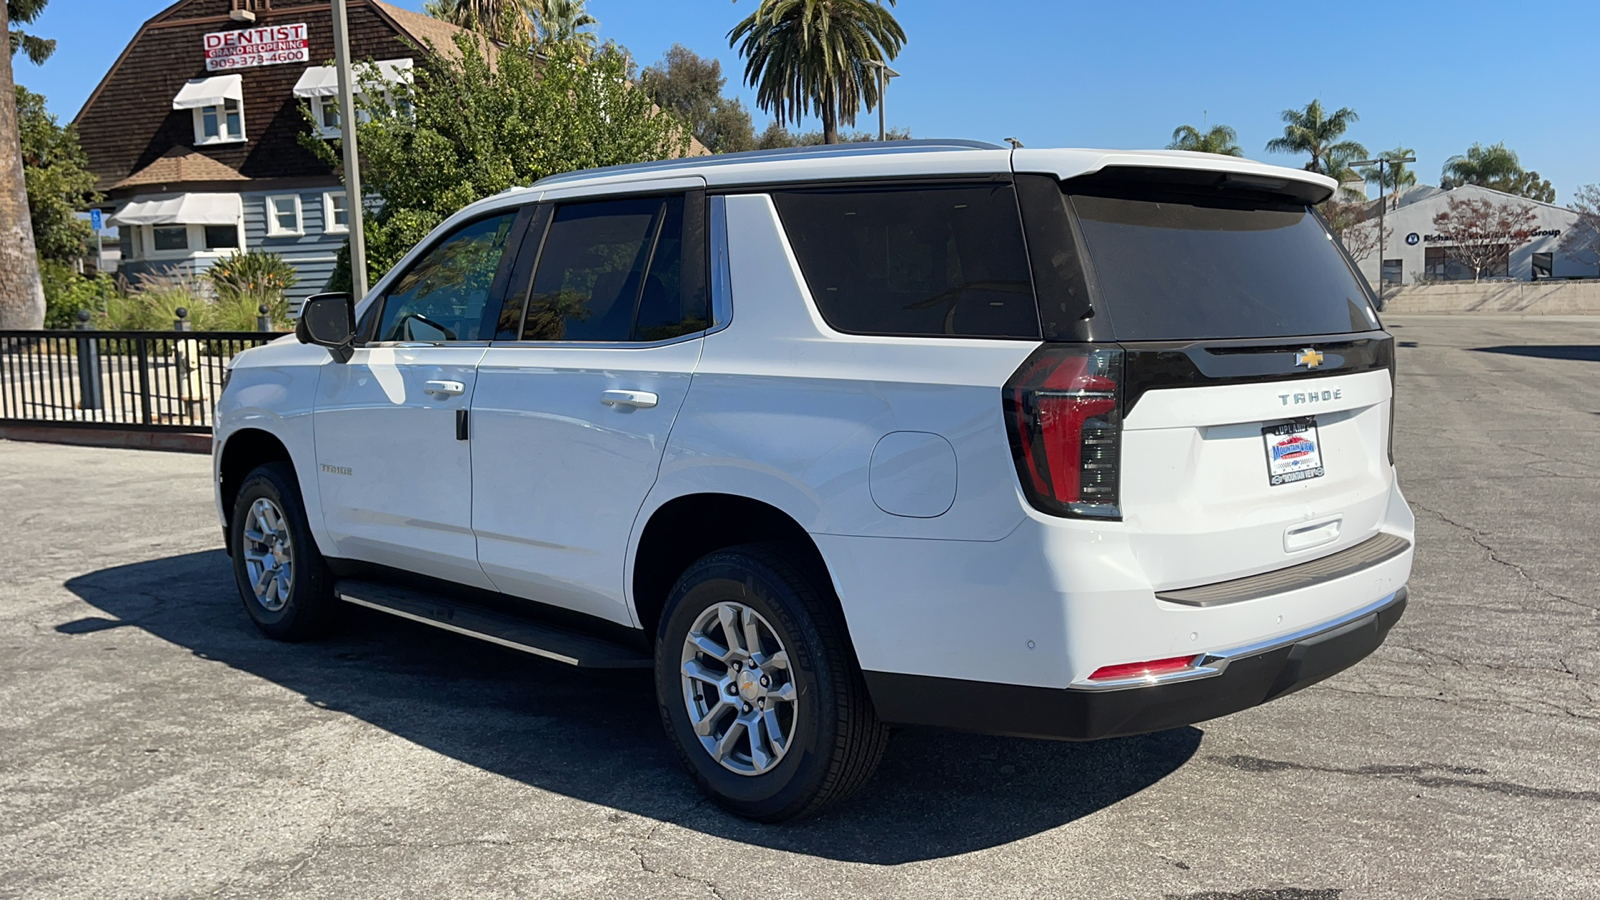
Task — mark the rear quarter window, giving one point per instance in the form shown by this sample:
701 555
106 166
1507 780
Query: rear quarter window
923 261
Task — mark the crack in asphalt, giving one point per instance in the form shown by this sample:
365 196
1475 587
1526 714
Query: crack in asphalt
1476 537
1292 893
1453 776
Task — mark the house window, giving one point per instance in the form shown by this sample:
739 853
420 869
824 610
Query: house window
222 237
220 123
1544 265
283 216
335 214
169 237
325 116
1393 269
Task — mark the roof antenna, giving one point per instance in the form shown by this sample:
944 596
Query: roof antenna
1015 144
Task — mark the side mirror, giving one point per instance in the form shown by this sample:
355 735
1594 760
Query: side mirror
329 320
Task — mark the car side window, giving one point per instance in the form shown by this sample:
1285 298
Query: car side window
443 295
615 271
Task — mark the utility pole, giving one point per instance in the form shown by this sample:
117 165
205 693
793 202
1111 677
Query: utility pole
1383 206
352 161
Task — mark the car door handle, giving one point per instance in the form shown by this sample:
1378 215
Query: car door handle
444 388
637 399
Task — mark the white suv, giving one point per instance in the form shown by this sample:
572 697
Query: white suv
1055 443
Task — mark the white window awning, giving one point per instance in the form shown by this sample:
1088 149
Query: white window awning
323 81
209 91
184 209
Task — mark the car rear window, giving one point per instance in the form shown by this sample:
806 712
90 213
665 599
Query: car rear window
1183 267
935 261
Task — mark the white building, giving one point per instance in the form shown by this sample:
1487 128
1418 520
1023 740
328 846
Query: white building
1415 251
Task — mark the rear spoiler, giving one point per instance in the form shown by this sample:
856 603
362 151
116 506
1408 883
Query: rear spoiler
1215 182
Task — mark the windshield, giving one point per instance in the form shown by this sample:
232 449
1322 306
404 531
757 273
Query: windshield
1176 267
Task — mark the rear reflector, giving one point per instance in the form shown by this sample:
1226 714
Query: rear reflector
1062 412
1144 669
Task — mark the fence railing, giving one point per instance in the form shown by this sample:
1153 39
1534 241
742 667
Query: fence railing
141 380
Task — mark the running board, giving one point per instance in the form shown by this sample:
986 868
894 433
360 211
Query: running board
549 641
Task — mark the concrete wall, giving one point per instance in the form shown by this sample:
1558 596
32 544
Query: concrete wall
1541 298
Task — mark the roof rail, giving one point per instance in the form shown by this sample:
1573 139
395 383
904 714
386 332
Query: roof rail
855 148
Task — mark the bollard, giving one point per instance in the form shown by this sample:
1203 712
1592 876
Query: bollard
183 323
263 320
89 389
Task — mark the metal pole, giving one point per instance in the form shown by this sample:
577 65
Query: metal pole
352 161
1382 208
883 133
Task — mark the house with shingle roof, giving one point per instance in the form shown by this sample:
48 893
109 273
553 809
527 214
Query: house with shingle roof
193 134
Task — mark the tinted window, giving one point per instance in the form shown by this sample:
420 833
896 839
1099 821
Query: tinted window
927 261
1180 267
615 271
443 295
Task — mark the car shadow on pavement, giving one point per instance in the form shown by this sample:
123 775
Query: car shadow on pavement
595 736
1577 352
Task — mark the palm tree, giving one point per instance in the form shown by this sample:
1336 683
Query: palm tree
816 56
504 20
1394 175
1219 139
561 21
21 292
1313 130
1495 167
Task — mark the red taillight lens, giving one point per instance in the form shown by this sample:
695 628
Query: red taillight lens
1062 410
1143 669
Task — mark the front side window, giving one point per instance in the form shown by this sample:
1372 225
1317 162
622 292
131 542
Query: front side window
169 237
283 215
219 123
443 295
614 271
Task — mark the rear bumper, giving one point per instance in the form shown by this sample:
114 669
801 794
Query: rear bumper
1240 679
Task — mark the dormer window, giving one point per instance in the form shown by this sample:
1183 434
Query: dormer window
217 105
319 85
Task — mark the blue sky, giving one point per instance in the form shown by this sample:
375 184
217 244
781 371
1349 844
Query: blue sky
1431 76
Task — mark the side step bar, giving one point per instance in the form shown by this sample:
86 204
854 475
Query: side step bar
549 641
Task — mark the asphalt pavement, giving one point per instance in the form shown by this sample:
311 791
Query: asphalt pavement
152 744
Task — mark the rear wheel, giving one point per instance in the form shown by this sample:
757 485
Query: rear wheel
285 584
758 690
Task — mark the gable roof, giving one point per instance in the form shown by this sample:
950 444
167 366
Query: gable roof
180 165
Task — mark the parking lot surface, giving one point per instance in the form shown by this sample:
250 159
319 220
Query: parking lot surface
152 744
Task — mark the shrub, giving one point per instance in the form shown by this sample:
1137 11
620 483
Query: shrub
243 283
153 305
66 292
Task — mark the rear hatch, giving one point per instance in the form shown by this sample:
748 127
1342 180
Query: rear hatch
1216 379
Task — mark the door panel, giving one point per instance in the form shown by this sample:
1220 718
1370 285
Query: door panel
562 472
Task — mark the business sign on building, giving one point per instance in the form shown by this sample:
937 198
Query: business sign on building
266 46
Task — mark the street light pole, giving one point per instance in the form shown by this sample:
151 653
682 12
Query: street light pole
884 74
352 161
1383 207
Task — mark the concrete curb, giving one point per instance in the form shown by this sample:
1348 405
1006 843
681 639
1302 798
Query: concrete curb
109 437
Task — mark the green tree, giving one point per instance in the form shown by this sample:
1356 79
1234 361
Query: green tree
1218 139
37 49
503 20
691 86
60 184
815 56
22 302
473 126
1495 167
1316 132
1395 175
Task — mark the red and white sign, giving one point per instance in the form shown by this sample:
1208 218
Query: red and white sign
265 46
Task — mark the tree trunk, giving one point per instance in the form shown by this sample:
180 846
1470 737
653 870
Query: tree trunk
21 293
830 117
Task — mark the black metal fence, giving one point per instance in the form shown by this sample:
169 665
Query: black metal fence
143 380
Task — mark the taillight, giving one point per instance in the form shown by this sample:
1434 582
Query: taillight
1062 408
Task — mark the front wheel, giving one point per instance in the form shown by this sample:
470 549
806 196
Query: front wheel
758 689
284 582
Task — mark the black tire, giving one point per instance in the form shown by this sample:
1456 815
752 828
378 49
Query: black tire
836 739
308 608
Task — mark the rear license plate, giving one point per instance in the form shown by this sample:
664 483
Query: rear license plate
1294 451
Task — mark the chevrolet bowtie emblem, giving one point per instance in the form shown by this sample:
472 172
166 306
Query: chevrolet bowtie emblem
1309 357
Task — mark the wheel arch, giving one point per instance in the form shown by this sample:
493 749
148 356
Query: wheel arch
689 526
243 451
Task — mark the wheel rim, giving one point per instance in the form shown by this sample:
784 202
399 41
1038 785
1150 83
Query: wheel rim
268 554
739 689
